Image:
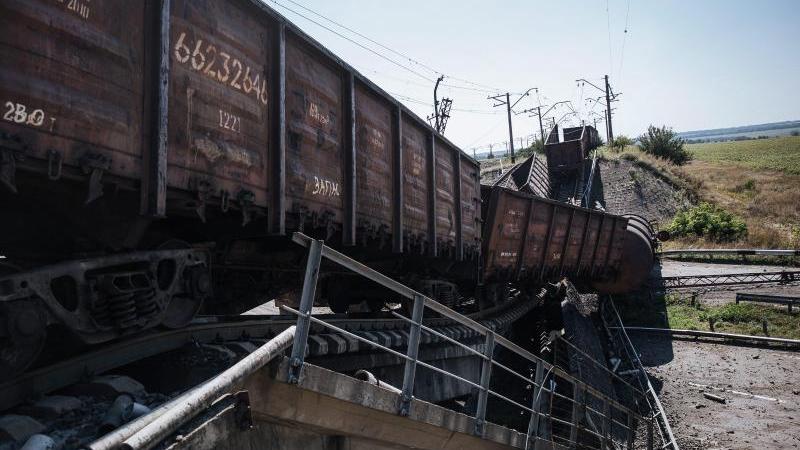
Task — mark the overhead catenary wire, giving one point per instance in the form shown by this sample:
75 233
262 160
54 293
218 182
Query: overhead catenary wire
624 37
378 54
478 87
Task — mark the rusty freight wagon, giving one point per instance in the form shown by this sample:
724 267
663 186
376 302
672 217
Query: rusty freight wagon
531 239
145 144
156 154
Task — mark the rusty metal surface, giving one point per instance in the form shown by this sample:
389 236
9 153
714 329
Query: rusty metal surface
71 81
470 207
446 222
314 157
253 111
415 182
531 238
219 97
374 161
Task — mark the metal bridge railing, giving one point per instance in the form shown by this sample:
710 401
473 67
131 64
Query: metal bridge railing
657 418
727 279
563 412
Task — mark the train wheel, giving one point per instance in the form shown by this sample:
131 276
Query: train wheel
182 309
23 331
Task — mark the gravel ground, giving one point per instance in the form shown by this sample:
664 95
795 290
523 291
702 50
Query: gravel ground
762 413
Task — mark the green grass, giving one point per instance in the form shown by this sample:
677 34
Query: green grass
782 153
682 313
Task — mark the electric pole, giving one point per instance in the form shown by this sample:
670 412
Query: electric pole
608 108
610 97
441 111
538 112
509 108
541 128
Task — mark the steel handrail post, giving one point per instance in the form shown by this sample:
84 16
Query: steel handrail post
306 303
533 424
483 394
412 352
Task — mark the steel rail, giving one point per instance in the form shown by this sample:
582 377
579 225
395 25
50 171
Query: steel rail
716 335
729 251
203 330
201 398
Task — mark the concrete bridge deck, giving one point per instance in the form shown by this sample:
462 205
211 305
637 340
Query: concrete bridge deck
327 410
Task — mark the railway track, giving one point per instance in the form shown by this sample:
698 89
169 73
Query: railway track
722 338
242 332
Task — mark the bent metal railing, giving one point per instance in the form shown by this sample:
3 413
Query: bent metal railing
592 418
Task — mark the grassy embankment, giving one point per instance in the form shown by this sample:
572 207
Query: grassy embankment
758 180
682 312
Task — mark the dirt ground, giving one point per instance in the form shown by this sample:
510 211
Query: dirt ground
761 388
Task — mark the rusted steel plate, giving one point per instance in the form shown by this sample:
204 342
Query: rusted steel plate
538 237
219 96
573 250
617 247
445 196
470 206
603 246
72 81
506 234
374 161
554 251
415 182
590 238
314 158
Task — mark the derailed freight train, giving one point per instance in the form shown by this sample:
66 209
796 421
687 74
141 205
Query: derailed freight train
155 155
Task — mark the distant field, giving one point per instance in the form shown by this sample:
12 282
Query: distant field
781 153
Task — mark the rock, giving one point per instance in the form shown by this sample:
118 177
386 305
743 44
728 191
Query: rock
53 406
18 428
108 386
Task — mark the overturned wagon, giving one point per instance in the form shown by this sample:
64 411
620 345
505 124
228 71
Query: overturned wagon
531 239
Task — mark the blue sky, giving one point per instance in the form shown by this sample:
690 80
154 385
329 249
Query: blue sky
685 64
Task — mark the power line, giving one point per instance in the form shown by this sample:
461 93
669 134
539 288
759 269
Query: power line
477 86
608 27
426 103
624 36
354 42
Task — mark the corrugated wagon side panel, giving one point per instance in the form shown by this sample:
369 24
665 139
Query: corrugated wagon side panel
508 221
71 81
220 90
589 243
538 236
446 221
314 158
572 254
375 162
415 181
603 244
470 206
554 252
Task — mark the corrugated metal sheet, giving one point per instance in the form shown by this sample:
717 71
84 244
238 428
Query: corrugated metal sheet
219 95
72 80
314 158
374 161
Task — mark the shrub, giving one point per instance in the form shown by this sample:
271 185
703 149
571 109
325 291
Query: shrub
620 142
709 221
795 133
665 144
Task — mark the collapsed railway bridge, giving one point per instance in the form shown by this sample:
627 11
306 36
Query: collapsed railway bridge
168 165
